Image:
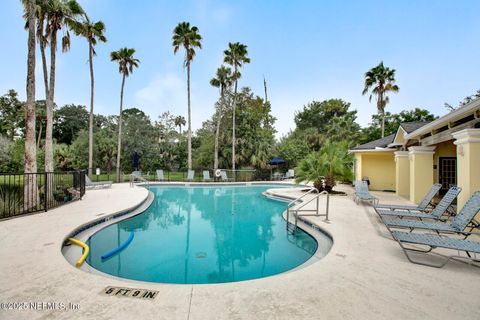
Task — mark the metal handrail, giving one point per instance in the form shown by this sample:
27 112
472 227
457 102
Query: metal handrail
133 177
293 202
303 204
303 195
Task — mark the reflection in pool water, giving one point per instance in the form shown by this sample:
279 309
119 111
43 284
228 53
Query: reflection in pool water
203 235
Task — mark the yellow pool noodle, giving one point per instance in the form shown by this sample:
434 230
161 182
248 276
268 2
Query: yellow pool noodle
86 250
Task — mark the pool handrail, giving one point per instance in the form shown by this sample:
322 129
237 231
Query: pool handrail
86 250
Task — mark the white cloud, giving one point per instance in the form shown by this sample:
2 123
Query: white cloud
221 15
168 92
164 92
207 11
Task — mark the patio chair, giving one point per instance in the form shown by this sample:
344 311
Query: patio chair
433 241
436 214
422 206
224 177
289 174
160 176
362 194
206 176
464 219
89 184
190 175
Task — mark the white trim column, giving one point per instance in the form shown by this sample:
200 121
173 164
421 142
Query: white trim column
468 163
421 171
402 174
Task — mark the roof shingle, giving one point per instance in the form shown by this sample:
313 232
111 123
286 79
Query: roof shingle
379 143
412 126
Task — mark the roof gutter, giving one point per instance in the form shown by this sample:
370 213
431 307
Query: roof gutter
372 150
455 115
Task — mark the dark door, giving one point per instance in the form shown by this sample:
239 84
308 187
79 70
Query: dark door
448 172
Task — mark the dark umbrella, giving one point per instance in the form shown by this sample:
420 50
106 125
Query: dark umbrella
275 162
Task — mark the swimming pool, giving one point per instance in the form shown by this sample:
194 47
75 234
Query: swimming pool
205 234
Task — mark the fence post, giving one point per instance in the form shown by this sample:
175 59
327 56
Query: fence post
45 195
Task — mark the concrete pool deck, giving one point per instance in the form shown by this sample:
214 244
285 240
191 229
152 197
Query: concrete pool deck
365 275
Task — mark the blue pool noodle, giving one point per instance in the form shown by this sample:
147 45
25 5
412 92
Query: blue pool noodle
120 248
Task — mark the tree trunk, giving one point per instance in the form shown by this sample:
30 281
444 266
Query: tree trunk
44 59
30 184
119 146
90 120
233 127
381 111
39 134
45 75
383 123
49 107
189 120
217 132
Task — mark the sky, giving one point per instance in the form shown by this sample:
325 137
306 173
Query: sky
306 50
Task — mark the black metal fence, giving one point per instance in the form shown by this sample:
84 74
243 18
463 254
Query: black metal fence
180 175
23 193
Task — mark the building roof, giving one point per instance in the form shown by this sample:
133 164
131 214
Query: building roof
379 143
470 108
412 126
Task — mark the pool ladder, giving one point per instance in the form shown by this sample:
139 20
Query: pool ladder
134 177
297 206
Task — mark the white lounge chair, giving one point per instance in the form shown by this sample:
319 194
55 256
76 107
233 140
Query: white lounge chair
89 184
224 177
206 176
160 176
289 174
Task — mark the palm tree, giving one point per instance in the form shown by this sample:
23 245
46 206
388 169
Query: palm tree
236 56
332 162
126 63
382 80
51 16
30 185
179 122
189 38
93 32
224 81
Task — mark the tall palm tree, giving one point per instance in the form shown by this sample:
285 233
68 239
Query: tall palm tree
40 17
236 56
179 122
126 63
189 38
223 80
30 185
53 15
93 32
382 80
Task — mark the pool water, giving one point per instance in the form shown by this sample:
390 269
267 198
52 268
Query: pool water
192 235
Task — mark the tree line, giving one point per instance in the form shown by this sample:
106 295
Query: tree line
44 20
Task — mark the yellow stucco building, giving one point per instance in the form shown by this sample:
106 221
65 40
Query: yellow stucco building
419 154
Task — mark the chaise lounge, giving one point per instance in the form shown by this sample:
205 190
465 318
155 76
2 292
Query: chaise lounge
206 176
436 214
422 206
465 218
433 241
362 194
89 184
224 177
160 176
